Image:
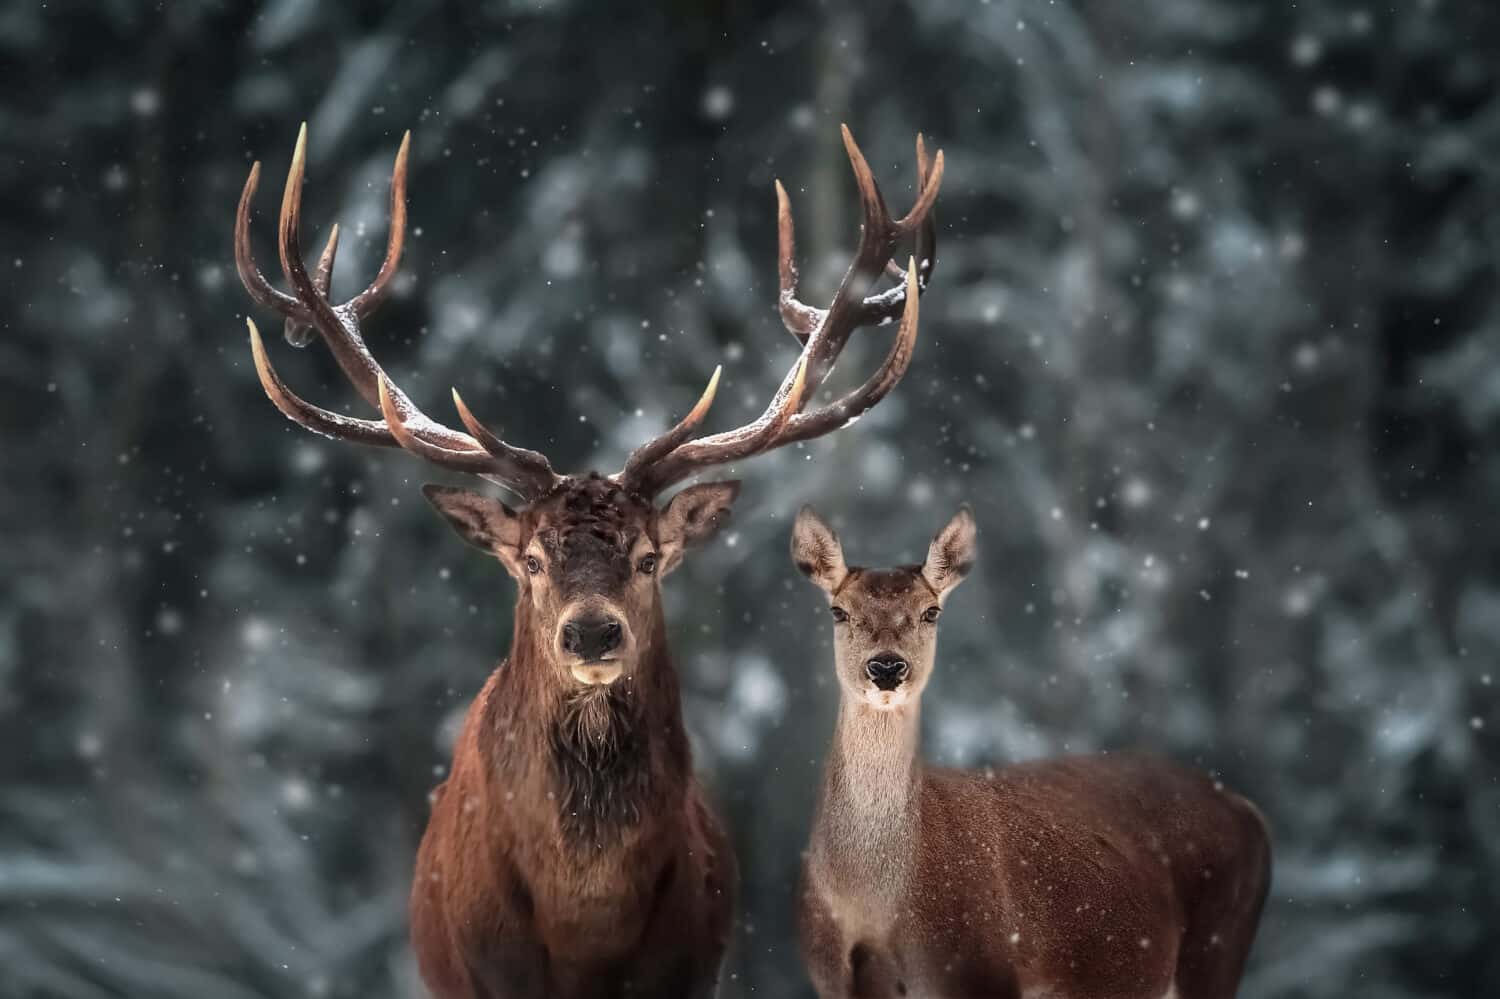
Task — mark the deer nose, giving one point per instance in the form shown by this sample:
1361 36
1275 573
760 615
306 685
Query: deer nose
887 670
591 638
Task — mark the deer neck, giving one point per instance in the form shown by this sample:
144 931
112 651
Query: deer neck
865 834
595 762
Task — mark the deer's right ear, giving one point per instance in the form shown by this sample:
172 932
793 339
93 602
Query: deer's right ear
816 550
483 522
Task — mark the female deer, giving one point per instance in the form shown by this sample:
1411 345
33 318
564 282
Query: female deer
1091 877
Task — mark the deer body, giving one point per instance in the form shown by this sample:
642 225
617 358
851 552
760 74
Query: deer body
526 886
570 853
1089 877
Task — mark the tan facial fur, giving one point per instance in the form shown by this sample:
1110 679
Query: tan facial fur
884 620
589 559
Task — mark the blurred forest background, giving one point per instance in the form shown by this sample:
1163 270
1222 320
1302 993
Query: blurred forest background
1213 347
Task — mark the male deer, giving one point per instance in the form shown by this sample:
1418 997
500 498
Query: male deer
1090 877
570 852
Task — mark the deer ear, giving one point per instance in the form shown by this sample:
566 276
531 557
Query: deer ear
951 554
483 522
691 518
816 550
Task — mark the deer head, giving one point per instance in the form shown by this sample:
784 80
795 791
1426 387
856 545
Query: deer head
588 551
588 558
885 621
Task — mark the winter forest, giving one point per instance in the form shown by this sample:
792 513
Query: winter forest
1212 347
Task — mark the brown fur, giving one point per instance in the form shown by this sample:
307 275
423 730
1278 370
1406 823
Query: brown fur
570 853
1092 877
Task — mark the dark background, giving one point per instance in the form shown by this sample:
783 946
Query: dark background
1211 349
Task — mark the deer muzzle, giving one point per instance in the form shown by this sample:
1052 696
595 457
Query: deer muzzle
887 670
593 640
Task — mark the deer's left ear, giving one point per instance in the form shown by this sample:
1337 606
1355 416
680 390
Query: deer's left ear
951 554
692 517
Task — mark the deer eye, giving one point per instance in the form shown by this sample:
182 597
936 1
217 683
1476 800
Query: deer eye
931 614
533 565
647 564
839 614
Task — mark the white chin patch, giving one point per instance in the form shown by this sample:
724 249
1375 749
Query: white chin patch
597 674
887 700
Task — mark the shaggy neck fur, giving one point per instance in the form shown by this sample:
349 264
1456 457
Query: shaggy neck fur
865 834
603 758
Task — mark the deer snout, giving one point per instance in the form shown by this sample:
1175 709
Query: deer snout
591 637
887 670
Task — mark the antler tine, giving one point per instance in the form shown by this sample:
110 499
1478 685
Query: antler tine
300 334
788 426
261 290
824 332
801 319
347 346
870 197
297 331
892 269
927 181
531 466
851 407
526 482
339 326
876 230
642 457
473 462
877 240
761 434
323 276
314 418
365 302
524 472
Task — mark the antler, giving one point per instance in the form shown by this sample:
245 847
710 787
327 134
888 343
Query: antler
801 319
655 465
671 457
479 451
